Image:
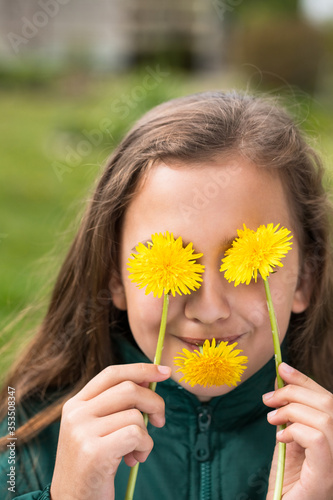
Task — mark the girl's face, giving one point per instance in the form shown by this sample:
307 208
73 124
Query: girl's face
205 204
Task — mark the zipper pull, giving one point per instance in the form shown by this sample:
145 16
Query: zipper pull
201 449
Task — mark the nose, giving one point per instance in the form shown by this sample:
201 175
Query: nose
210 302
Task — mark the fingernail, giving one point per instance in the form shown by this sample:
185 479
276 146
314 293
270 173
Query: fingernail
165 370
287 368
268 395
271 413
279 433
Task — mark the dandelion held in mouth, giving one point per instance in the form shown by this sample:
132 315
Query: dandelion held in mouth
212 364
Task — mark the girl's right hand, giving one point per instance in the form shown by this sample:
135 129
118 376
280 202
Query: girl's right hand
102 424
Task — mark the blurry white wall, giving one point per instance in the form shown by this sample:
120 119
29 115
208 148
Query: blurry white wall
109 32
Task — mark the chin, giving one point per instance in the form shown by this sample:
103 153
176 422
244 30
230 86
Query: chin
207 393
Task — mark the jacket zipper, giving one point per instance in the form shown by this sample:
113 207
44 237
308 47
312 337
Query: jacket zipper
202 451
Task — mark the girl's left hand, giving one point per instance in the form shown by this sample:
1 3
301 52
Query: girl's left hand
307 409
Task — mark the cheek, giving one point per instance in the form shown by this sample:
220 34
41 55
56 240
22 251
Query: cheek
282 286
254 304
141 306
144 316
282 302
251 302
258 313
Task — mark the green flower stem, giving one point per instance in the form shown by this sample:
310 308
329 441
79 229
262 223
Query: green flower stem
280 383
160 341
131 482
157 360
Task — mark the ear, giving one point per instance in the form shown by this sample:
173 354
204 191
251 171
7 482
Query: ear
303 291
117 291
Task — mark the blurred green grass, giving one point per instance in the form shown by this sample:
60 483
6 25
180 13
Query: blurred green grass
42 192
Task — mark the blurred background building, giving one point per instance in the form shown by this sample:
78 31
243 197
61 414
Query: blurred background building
111 34
290 41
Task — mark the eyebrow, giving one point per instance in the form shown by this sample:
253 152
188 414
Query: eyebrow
148 240
226 242
144 242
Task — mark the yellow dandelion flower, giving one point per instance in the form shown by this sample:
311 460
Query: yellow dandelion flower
212 365
255 251
165 266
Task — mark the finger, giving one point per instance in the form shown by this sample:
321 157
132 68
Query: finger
322 401
130 460
318 453
128 395
140 373
111 423
308 417
292 376
132 439
133 458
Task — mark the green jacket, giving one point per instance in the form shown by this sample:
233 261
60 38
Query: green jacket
221 450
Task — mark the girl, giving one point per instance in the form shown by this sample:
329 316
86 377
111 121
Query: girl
199 166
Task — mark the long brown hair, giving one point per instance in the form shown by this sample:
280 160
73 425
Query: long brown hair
74 342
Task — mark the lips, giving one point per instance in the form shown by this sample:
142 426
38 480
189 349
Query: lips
193 343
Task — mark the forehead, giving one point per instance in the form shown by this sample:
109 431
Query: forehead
219 195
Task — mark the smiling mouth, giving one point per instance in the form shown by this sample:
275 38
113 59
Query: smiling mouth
193 343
